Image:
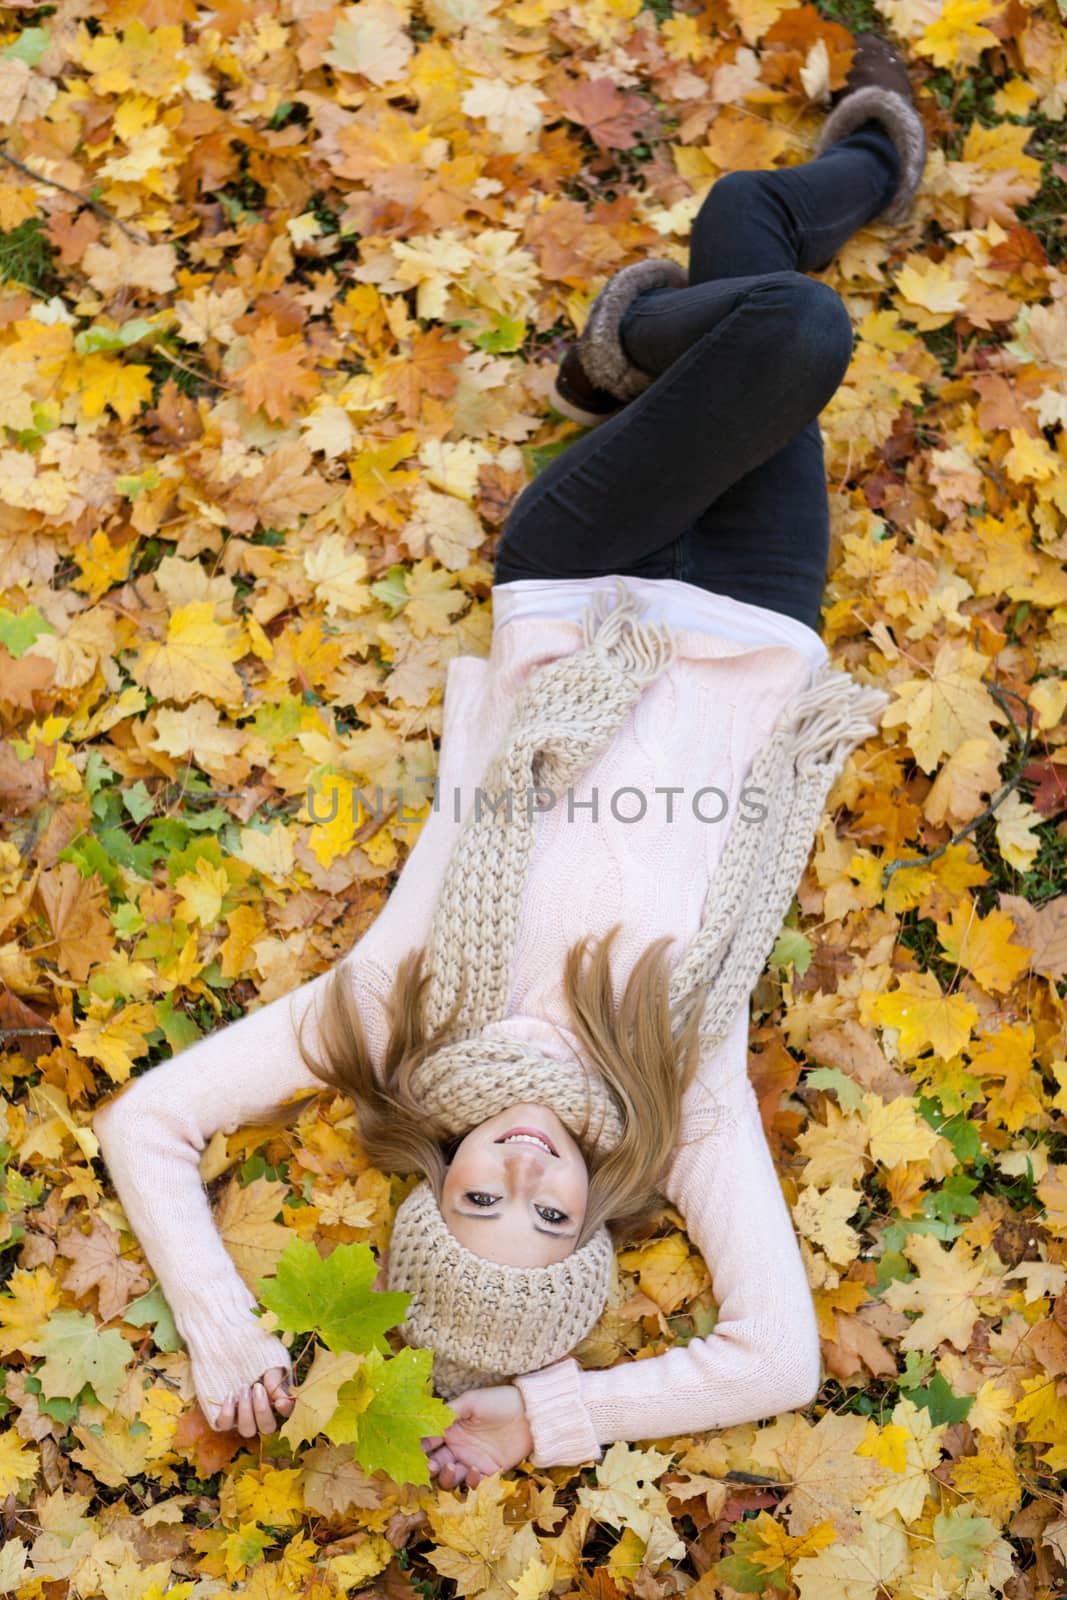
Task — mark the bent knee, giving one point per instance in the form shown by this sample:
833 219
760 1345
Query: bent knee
731 195
828 326
813 323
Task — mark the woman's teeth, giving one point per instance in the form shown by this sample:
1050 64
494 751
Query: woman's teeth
527 1138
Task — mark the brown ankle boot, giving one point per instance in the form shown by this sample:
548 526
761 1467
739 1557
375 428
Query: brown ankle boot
596 377
878 88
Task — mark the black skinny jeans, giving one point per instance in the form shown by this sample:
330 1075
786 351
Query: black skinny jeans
715 474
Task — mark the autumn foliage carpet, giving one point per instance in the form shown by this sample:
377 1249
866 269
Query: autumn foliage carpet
282 290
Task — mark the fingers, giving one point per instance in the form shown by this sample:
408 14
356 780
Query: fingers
251 1410
446 1469
225 1416
279 1396
262 1413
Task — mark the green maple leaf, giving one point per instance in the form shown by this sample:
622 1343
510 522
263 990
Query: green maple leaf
332 1298
385 1411
958 1532
77 1353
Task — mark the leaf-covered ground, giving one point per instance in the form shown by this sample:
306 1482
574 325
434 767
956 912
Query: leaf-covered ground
283 289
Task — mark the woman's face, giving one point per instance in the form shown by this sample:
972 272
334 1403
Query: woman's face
513 1200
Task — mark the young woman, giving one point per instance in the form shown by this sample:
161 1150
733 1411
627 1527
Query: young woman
605 788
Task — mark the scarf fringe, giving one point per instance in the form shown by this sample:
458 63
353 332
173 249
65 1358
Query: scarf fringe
833 716
640 650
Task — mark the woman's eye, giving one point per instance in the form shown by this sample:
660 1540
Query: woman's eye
479 1199
548 1214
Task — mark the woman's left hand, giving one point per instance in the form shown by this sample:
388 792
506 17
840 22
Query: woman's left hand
490 1434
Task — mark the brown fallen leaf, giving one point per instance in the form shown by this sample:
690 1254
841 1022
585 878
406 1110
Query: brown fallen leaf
98 1263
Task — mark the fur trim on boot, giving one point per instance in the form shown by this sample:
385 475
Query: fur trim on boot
603 359
903 125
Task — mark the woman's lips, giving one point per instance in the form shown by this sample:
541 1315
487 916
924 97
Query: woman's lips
535 1132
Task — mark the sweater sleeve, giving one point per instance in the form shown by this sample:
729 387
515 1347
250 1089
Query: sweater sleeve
152 1135
763 1356
153 1132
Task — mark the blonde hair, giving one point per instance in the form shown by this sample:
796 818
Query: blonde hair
631 1045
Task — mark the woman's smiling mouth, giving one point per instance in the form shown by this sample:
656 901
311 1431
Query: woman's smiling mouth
528 1136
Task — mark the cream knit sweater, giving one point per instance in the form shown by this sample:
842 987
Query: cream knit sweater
695 731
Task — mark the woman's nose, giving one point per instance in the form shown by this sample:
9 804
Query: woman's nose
524 1159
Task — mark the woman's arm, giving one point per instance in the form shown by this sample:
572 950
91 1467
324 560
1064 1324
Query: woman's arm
763 1356
153 1132
152 1135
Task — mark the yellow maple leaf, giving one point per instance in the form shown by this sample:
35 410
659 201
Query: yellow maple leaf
946 707
861 1570
896 1132
195 659
116 1038
667 1271
125 386
989 1478
102 565
148 60
202 892
822 1218
888 1445
754 17
956 38
1044 1410
374 478
30 1296
268 1493
337 571
984 946
626 1495
908 1485
944 1293
931 292
245 1219
922 1016
351 1570
18 1463
434 598
1052 1191
315 1397
826 1477
1008 1054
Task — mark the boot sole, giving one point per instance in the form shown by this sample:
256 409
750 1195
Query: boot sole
575 412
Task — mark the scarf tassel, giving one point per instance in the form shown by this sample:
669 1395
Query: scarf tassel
831 718
640 650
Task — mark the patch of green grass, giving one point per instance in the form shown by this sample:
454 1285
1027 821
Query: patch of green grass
1044 214
965 98
943 344
1046 878
920 936
27 257
856 15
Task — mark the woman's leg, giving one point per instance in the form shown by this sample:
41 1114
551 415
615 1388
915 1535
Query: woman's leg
766 539
766 349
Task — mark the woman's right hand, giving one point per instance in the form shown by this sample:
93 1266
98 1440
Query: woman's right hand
250 1411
